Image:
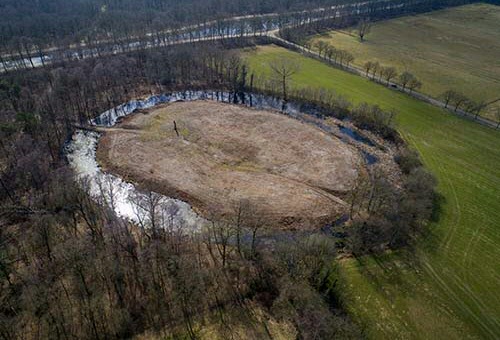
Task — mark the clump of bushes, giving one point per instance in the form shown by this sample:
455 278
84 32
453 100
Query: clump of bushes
373 118
390 217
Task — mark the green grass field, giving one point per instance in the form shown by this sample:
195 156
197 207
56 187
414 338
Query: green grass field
456 48
447 288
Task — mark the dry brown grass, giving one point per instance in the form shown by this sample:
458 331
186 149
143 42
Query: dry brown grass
293 174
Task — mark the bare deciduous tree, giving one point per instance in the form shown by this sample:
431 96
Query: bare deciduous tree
364 27
284 69
330 51
349 58
459 99
448 96
321 46
477 108
414 84
389 73
375 69
405 78
368 66
497 116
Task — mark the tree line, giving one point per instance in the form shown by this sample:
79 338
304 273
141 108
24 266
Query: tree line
406 80
459 101
332 54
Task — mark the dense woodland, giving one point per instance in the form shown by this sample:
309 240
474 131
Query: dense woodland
47 21
82 29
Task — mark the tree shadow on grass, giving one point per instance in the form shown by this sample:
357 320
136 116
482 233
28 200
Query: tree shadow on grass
437 207
429 240
381 269
396 265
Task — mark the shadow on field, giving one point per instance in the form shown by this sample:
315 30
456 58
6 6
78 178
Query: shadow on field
371 267
428 240
437 208
397 265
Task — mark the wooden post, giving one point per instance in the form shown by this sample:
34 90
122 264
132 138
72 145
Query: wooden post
175 128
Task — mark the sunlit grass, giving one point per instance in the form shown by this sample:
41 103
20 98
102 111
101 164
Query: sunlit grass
448 288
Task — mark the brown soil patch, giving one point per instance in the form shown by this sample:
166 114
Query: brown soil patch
292 174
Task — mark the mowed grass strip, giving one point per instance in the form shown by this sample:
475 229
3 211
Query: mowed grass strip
449 287
456 48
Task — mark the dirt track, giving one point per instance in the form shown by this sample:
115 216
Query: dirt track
292 174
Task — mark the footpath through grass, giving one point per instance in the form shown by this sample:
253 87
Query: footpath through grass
456 48
448 289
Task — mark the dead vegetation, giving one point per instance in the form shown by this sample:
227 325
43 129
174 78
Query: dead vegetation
294 174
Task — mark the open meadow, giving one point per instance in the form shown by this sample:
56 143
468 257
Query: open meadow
448 287
456 48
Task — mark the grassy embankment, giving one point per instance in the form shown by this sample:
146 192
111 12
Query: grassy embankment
449 287
456 48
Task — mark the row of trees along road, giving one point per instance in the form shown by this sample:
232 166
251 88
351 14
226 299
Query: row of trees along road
460 101
407 81
373 69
